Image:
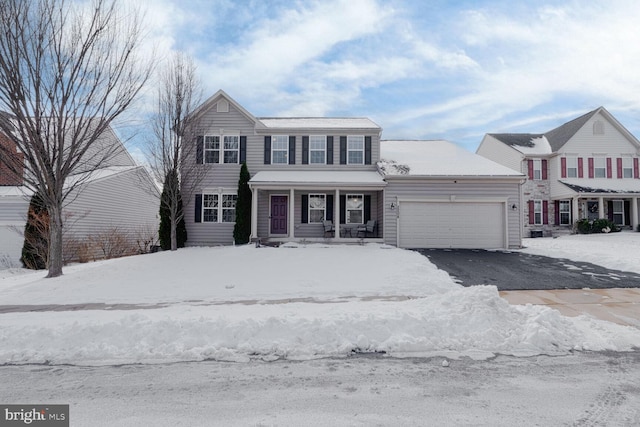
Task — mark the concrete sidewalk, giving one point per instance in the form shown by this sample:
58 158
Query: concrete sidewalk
619 305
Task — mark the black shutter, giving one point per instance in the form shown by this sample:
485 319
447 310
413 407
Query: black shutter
304 206
343 150
243 149
305 150
610 210
292 150
343 209
627 212
200 150
329 211
198 217
329 150
267 150
367 150
367 207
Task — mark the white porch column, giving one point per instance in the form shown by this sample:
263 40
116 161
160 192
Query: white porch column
292 220
336 214
575 210
634 213
601 207
254 213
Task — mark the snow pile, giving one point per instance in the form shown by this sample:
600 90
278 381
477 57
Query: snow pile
358 298
618 251
391 167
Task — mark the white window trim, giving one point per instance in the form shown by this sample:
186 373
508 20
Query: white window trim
224 150
628 167
570 166
274 150
537 168
537 212
347 209
567 212
349 150
309 209
220 193
213 150
315 150
615 212
596 159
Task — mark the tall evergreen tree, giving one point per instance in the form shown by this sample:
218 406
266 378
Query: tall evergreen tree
35 250
164 233
242 229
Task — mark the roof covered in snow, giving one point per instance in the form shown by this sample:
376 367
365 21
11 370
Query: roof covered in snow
436 158
603 185
319 123
315 178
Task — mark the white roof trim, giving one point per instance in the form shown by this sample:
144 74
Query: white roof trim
302 179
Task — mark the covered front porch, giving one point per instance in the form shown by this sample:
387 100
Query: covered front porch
317 206
617 202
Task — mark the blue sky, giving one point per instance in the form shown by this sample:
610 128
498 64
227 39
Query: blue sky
421 69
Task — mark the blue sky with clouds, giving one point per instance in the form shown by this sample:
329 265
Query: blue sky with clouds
421 69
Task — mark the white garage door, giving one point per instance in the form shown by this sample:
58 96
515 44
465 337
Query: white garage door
469 225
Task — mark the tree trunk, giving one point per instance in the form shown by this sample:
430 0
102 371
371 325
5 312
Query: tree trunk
174 227
55 242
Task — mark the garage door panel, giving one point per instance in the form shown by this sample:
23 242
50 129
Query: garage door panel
452 225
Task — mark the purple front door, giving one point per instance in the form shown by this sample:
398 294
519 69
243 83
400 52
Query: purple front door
279 210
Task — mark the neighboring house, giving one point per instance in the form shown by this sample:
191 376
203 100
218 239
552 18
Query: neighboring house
117 196
308 170
586 168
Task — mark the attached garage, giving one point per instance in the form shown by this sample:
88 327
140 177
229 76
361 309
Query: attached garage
439 195
451 225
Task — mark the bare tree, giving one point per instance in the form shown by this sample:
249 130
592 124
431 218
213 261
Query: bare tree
67 70
172 150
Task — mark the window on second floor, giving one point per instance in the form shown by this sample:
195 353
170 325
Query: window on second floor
231 148
537 169
600 167
572 167
279 149
317 149
228 152
355 150
627 167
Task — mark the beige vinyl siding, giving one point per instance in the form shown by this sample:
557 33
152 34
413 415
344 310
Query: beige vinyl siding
124 201
478 189
501 153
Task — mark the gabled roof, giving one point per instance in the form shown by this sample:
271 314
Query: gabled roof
436 158
213 99
555 139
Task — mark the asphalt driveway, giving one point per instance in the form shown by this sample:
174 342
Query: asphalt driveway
519 271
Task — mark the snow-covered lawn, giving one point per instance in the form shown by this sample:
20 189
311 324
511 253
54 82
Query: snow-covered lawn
296 301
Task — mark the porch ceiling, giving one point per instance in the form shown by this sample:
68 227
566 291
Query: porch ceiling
316 179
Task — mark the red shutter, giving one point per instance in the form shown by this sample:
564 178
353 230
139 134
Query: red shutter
531 212
557 211
544 169
530 166
545 212
609 168
636 169
619 166
590 167
580 167
563 167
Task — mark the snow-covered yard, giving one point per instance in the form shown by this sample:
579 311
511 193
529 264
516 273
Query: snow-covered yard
296 302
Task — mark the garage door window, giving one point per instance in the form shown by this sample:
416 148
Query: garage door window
355 205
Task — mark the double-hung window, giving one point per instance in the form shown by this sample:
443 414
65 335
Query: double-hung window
317 208
219 207
231 148
627 167
355 149
317 149
565 212
354 208
600 167
572 167
280 149
212 149
537 212
537 169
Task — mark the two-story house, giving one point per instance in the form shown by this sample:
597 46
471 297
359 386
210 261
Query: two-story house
310 172
585 168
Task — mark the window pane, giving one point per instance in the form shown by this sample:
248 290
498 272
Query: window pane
231 157
317 157
316 202
355 158
212 142
355 142
279 157
231 142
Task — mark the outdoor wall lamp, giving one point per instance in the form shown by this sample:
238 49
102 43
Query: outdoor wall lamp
514 207
393 206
